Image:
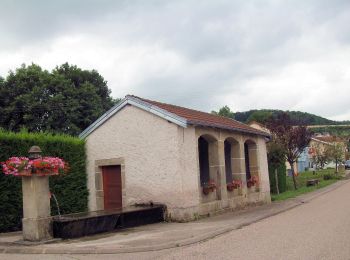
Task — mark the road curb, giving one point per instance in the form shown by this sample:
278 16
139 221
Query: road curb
284 206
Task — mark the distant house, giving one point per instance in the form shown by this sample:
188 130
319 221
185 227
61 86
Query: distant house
330 139
324 141
303 161
259 126
306 158
144 151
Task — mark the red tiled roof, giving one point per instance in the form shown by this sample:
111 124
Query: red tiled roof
329 139
195 117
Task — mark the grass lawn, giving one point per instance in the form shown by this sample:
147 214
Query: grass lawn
301 183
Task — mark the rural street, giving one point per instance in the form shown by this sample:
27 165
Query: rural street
319 229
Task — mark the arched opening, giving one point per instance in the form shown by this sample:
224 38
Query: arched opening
209 172
247 161
232 164
228 162
203 154
251 159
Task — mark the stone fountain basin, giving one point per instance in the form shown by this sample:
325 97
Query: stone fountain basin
94 222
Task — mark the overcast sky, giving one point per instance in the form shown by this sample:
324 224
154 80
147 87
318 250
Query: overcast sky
292 55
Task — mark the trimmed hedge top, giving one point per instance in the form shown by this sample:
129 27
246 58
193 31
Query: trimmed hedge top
70 189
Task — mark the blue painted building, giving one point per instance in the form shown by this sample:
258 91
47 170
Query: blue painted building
303 160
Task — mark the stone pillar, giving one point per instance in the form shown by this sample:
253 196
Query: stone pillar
214 167
222 173
217 167
253 160
36 220
241 171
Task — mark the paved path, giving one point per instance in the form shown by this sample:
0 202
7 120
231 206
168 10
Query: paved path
319 229
316 229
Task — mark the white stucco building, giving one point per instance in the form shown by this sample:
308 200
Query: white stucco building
142 151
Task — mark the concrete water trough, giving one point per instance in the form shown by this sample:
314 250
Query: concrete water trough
89 223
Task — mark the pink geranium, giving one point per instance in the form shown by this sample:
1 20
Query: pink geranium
49 163
46 165
14 165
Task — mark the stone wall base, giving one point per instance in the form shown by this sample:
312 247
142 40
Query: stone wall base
37 229
217 207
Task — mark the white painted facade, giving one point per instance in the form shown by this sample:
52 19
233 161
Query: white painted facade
161 164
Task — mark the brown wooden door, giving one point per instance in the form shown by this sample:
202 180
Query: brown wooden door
112 187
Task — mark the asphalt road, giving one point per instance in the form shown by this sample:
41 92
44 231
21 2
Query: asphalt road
319 229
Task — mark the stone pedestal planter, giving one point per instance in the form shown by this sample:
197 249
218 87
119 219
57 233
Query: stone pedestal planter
35 171
36 220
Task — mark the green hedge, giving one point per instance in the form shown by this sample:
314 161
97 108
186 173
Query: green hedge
282 178
70 189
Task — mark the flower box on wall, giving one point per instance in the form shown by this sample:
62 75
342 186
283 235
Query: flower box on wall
235 184
208 187
253 181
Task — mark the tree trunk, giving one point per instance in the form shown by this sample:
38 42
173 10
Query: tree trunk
293 175
336 166
276 180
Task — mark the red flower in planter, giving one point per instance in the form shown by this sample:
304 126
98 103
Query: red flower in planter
209 186
229 186
22 166
49 165
235 184
16 166
254 180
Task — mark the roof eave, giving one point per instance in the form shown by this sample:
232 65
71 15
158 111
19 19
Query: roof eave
320 141
137 103
230 128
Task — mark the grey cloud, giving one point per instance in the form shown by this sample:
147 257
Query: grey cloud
25 22
237 41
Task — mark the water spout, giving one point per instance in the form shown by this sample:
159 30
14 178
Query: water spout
58 208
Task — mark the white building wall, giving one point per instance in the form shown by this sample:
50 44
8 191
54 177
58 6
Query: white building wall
188 165
151 150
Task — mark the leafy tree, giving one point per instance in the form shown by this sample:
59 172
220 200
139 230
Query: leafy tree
297 117
336 153
80 77
66 100
260 116
341 131
276 157
320 155
224 111
292 140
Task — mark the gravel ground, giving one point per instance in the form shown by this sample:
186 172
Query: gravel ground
319 229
